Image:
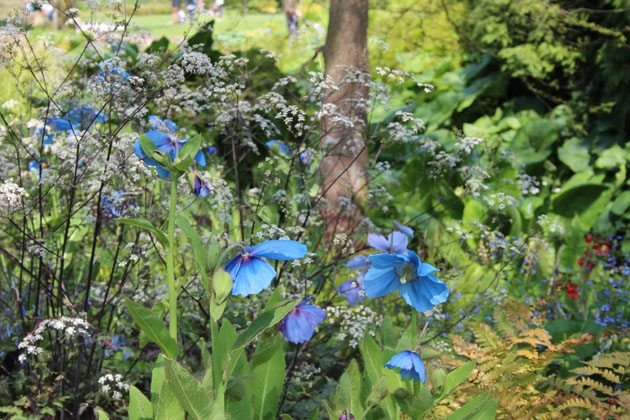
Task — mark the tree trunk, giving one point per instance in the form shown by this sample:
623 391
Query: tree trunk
344 166
245 9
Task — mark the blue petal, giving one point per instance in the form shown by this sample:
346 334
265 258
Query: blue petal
297 328
200 158
387 260
378 242
360 261
212 150
283 147
401 360
249 275
404 229
424 293
278 250
314 314
380 282
398 242
137 148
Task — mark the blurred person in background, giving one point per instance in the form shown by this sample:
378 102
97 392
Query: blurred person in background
290 9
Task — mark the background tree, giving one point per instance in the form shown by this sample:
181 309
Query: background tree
345 54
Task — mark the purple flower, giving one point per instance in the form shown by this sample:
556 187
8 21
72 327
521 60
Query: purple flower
251 273
352 290
409 275
404 229
344 417
358 262
298 326
202 189
410 365
395 243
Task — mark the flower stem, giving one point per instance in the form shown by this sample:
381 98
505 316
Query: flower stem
170 262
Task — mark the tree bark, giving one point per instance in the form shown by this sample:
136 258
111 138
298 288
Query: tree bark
344 166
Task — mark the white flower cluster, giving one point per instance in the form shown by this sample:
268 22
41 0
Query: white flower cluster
550 225
353 322
530 185
69 327
114 384
11 194
500 200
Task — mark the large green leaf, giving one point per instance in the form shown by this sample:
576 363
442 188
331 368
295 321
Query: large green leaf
479 408
267 319
145 224
268 372
574 154
577 200
153 327
532 143
611 158
190 393
348 394
168 407
456 377
139 406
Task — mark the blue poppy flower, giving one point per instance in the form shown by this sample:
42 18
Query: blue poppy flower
395 243
251 273
37 165
404 229
410 365
212 151
166 144
352 290
54 125
281 145
411 277
84 116
299 324
111 77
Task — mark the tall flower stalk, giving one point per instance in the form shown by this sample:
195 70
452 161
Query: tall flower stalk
170 261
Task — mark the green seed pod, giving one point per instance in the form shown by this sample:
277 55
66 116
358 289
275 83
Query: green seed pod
438 379
222 284
401 393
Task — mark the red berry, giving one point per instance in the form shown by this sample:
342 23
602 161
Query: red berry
580 261
588 239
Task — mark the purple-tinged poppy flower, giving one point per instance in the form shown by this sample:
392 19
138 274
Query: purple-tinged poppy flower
166 144
281 145
352 290
299 324
410 365
202 189
411 277
395 243
404 229
358 262
344 417
251 273
118 204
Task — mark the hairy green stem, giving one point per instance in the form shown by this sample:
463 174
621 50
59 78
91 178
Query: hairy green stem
170 262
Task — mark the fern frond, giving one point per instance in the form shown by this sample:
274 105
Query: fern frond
591 383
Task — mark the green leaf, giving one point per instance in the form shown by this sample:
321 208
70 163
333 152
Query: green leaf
148 147
222 342
190 393
182 164
101 415
267 319
372 358
168 407
621 204
422 401
577 200
348 394
153 327
532 143
145 224
574 154
157 379
268 369
197 248
139 406
388 333
190 149
457 376
611 158
472 407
